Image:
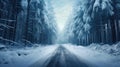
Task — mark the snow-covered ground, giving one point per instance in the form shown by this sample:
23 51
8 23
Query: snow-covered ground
96 57
25 57
110 49
92 55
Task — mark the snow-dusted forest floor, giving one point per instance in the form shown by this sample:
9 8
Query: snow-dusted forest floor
90 56
25 57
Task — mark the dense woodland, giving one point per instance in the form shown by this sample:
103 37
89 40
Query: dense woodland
27 22
32 21
94 21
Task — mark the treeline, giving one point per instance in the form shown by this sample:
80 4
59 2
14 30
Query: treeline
26 22
94 21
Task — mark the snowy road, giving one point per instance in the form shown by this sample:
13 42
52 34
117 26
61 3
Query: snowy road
61 58
65 55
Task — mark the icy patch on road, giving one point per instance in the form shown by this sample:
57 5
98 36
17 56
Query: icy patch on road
93 57
25 57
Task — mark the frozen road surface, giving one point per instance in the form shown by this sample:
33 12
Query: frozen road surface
61 58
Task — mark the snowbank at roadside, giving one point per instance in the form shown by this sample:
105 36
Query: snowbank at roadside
24 57
106 48
93 57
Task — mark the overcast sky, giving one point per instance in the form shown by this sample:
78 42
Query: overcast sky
62 9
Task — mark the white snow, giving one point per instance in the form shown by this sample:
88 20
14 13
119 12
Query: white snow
109 49
93 55
2 45
94 58
96 5
25 57
6 26
87 27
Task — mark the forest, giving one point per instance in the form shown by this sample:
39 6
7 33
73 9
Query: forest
27 22
33 21
94 21
59 33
